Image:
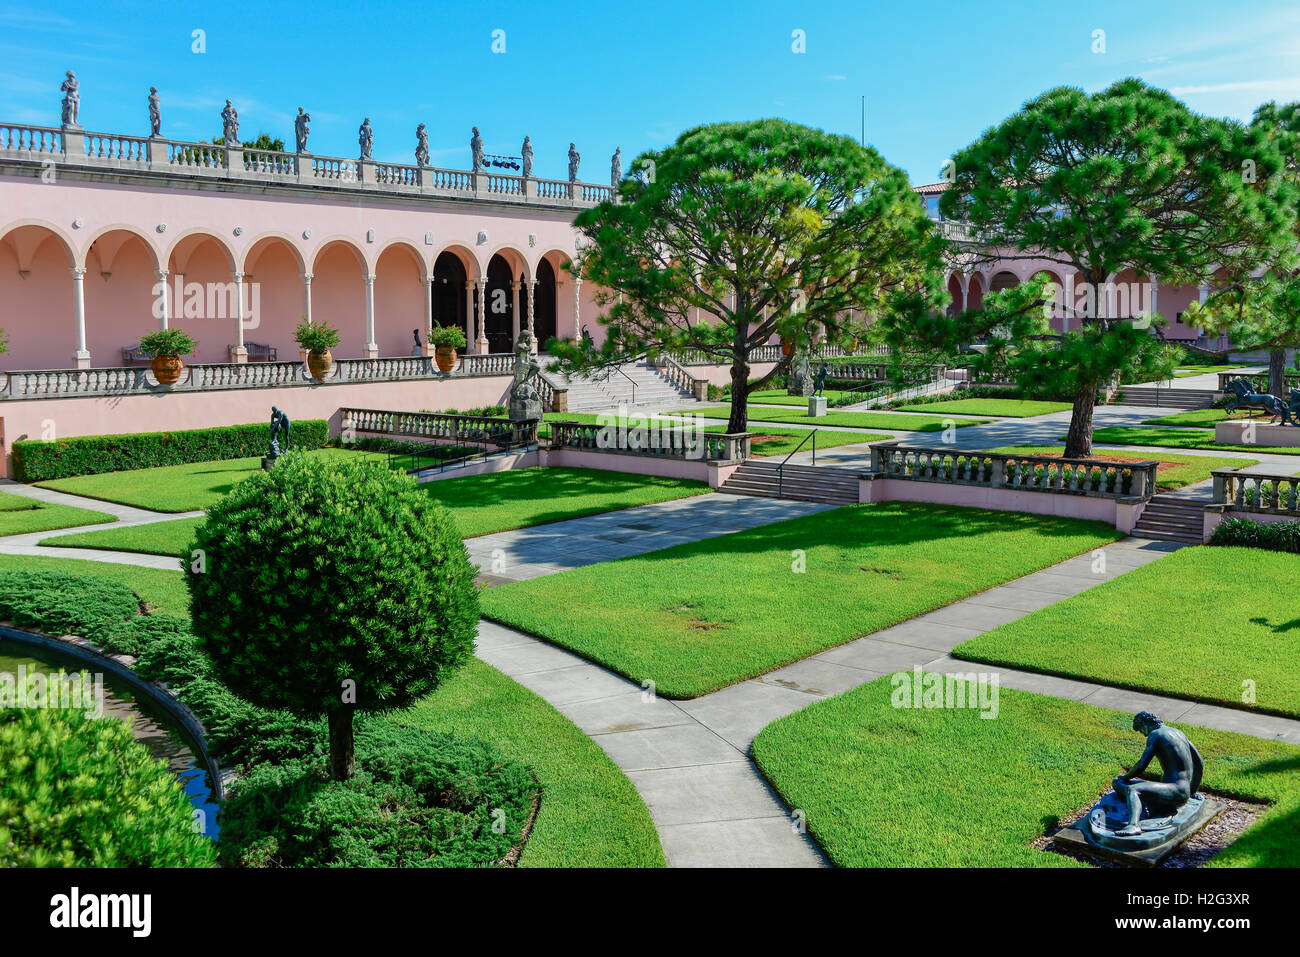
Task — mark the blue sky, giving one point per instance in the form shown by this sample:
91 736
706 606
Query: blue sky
614 74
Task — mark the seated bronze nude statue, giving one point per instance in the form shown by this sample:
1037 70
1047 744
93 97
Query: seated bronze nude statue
1180 765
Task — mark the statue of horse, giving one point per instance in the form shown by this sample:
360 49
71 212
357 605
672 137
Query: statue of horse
1240 394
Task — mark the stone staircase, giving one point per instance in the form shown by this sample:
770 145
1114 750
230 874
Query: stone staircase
1166 398
1172 518
608 391
804 483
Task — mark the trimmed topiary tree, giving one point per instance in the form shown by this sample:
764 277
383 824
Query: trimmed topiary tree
328 587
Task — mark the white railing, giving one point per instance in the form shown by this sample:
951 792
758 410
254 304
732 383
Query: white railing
1261 493
43 383
21 142
38 140
107 146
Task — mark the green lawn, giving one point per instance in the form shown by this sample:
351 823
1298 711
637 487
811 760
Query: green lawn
900 787
1177 439
159 538
1195 624
1204 417
20 514
1000 408
590 814
1184 371
492 502
851 420
780 397
700 616
171 488
1188 469
497 501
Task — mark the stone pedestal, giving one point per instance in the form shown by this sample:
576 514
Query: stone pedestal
268 461
1237 430
82 359
816 406
523 409
1098 832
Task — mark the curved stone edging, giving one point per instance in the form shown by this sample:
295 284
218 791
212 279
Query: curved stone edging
82 650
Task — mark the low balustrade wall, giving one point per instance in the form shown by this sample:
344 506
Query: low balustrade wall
1258 380
53 383
157 155
1112 492
651 438
439 427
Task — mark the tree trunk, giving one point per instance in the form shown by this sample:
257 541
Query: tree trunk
1277 373
739 420
342 755
1078 441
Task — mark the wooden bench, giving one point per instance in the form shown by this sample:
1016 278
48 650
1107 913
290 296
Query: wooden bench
257 352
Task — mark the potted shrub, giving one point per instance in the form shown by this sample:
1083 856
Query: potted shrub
318 340
166 348
446 340
787 346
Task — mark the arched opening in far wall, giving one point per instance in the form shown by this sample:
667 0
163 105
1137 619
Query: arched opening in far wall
544 302
448 292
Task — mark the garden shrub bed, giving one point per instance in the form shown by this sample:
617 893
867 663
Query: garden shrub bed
37 461
1245 533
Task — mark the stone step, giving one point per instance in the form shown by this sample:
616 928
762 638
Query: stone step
797 482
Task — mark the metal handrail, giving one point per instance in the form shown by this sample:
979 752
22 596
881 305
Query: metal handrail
780 469
627 377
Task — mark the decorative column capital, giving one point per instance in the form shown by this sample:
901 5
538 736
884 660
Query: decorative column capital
78 272
161 274
308 277
369 278
238 276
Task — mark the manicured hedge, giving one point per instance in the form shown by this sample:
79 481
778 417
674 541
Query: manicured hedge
1272 536
36 461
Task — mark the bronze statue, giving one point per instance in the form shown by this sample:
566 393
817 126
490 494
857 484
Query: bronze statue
1180 766
279 424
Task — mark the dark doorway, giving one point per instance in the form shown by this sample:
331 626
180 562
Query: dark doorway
544 304
499 311
448 293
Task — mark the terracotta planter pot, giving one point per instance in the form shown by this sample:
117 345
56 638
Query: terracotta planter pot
787 347
319 363
167 369
445 357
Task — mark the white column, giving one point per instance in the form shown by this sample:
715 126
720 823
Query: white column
162 285
577 309
428 315
1203 292
306 296
471 330
532 335
514 304
372 347
240 354
81 357
482 341
1153 306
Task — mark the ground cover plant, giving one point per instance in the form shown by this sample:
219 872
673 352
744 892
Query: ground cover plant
685 619
20 514
1174 471
1194 624
851 762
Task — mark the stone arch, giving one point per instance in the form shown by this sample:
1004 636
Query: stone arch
39 295
339 268
135 231
399 292
272 266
